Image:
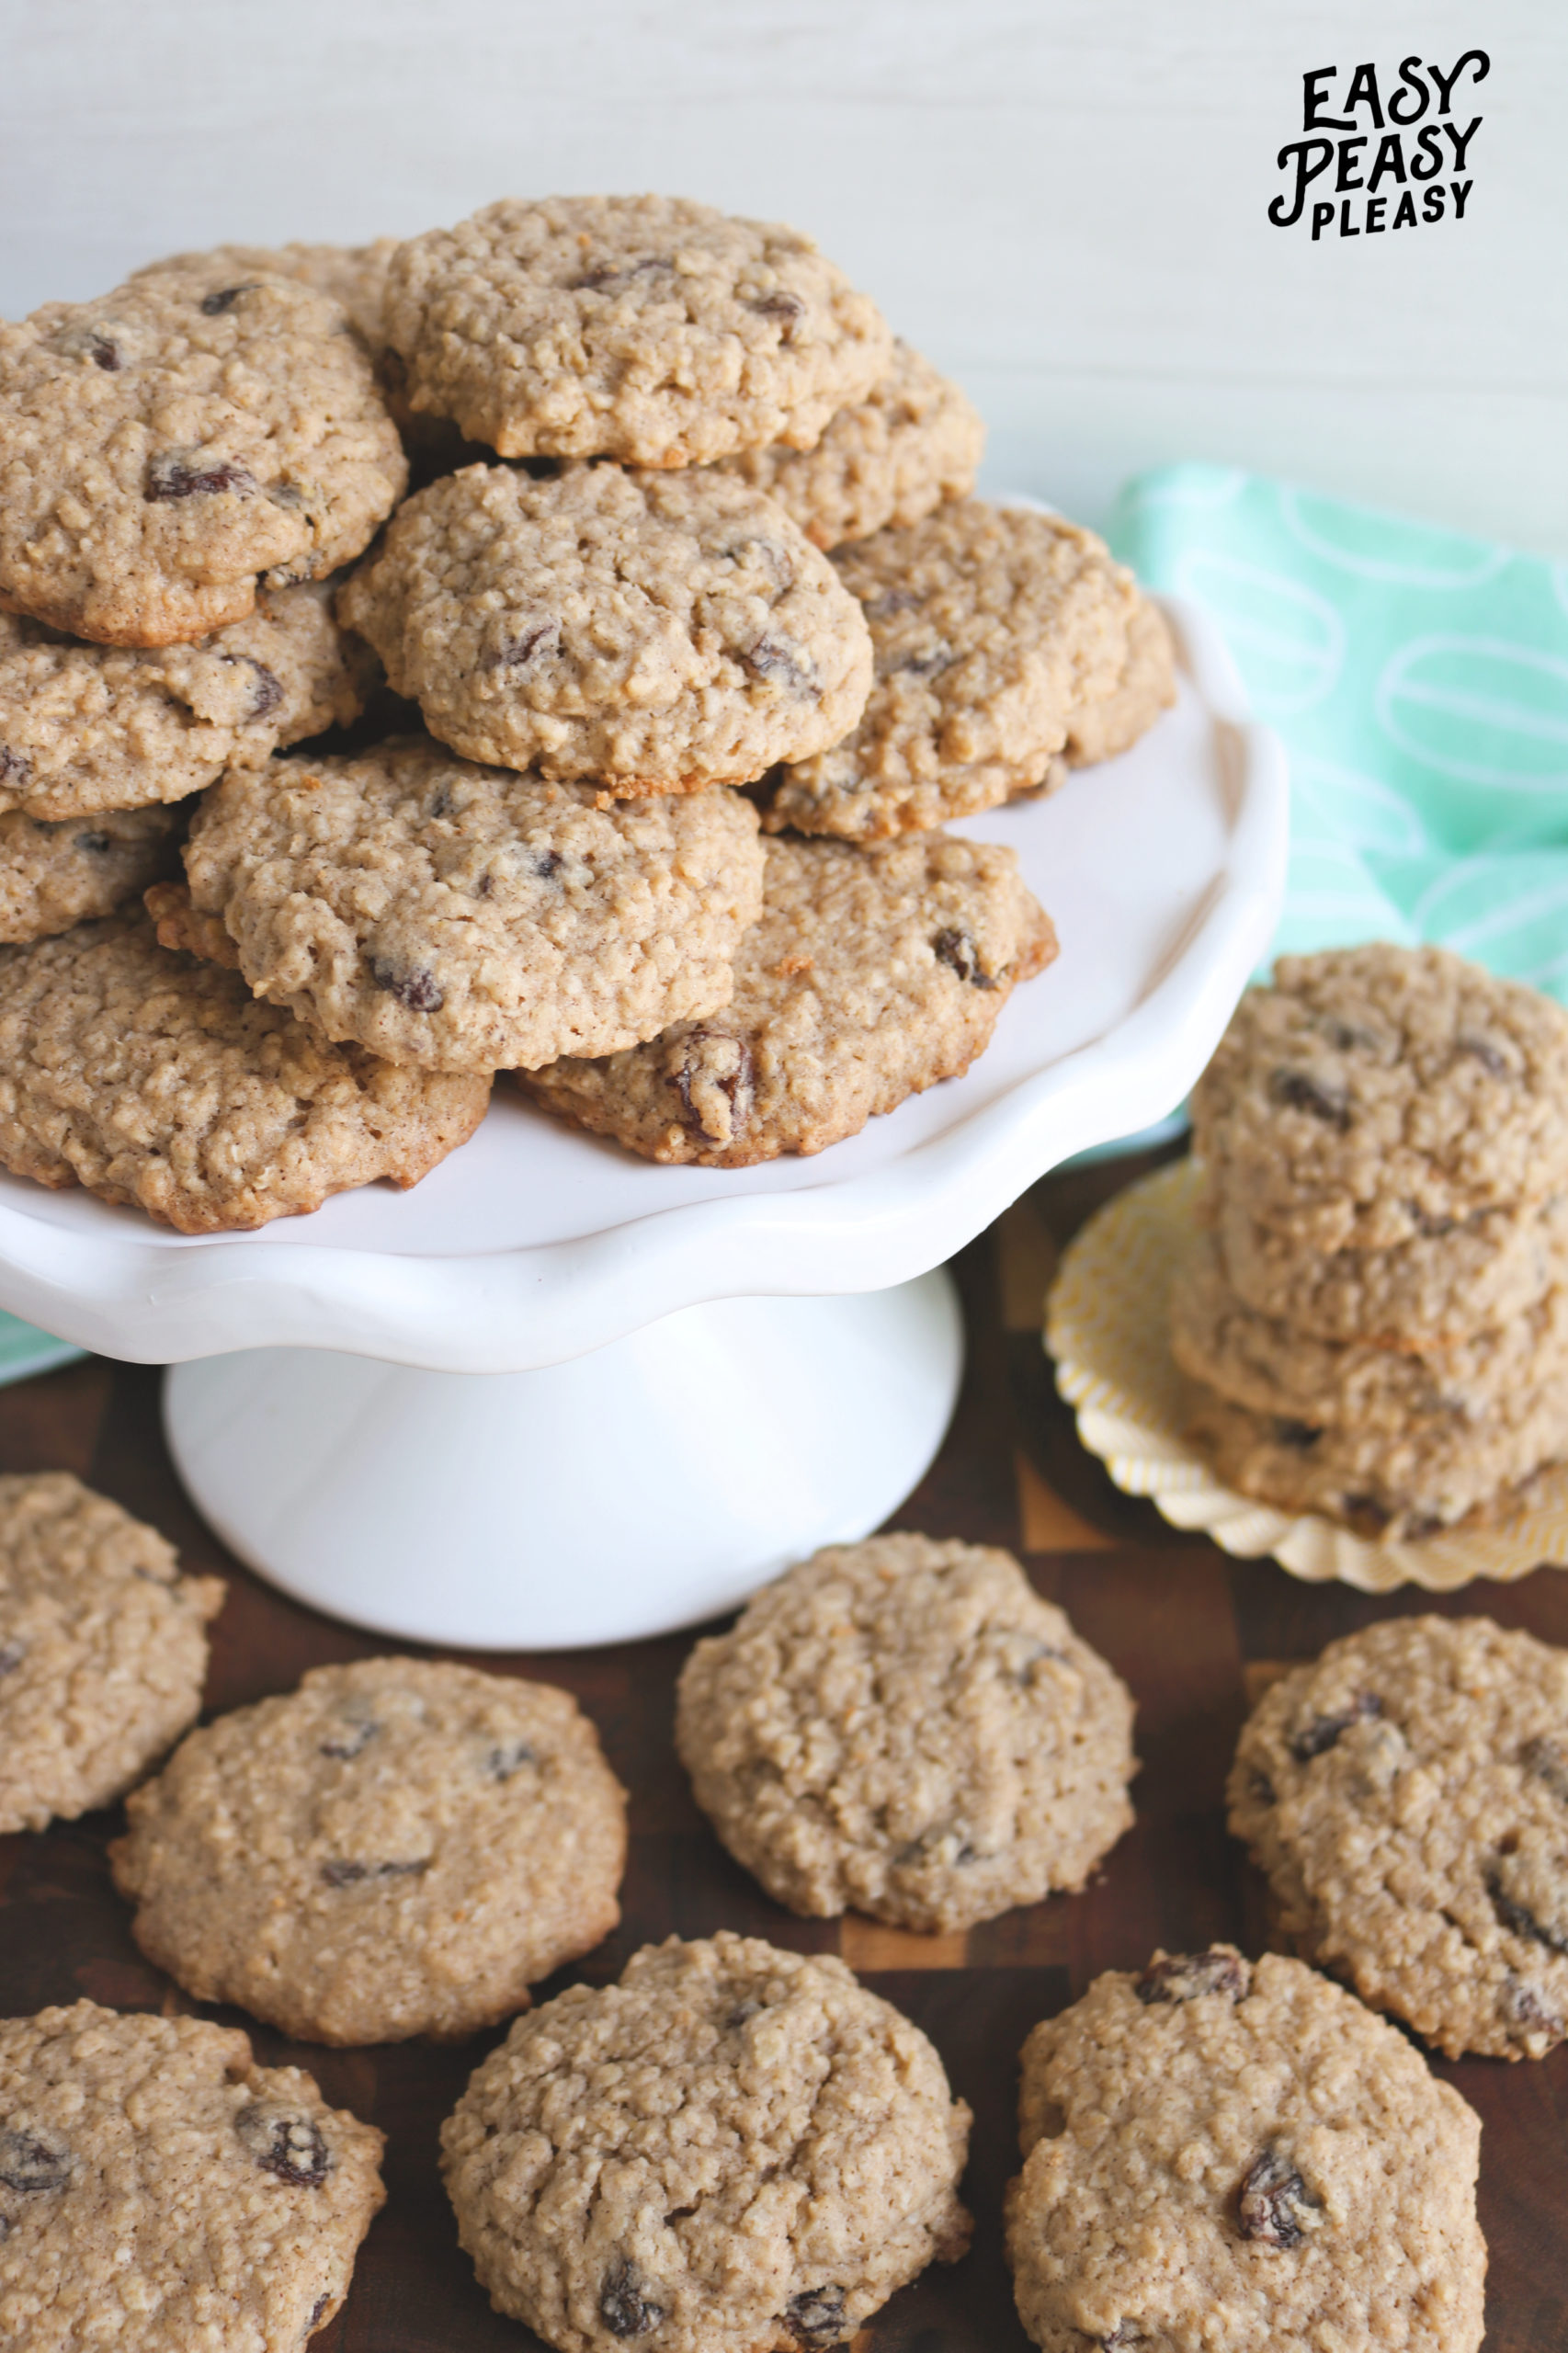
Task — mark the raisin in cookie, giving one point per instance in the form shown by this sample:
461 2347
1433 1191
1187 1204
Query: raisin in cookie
103 1649
397 1847
1264 1362
644 328
470 918
1222 2153
1407 1795
913 441
992 627
1374 1093
1401 1482
162 448
905 1728
154 1079
355 276
654 634
871 976
1463 1275
733 2150
84 728
159 2189
54 875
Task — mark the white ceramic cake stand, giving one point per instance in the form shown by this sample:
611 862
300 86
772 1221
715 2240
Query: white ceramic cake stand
559 1395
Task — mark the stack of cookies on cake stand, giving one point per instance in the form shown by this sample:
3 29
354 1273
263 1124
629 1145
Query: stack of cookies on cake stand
699 637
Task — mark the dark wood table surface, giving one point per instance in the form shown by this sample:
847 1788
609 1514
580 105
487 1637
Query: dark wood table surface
1192 1632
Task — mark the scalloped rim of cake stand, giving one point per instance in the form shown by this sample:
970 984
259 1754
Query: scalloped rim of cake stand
515 1310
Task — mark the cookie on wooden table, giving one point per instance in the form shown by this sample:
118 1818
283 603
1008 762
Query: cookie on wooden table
1375 1095
103 1649
398 1847
652 633
165 450
84 728
471 918
158 2189
732 2149
871 976
914 441
993 628
1220 2153
154 1079
905 1728
645 328
1407 1794
54 874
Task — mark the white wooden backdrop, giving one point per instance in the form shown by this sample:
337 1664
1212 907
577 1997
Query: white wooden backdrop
1061 201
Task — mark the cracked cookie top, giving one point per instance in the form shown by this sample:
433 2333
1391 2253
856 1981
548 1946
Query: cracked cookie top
645 328
470 918
871 976
732 2149
1407 1794
1375 1095
652 633
1225 2152
400 1847
166 449
905 1728
159 2188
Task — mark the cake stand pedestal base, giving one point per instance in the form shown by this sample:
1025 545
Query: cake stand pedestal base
652 1483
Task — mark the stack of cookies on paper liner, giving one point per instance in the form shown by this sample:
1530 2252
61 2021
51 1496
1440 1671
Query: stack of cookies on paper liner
1375 1312
700 638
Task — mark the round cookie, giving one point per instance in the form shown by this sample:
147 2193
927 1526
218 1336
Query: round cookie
52 876
737 2148
398 1847
157 2188
85 728
871 976
1407 1795
156 1080
355 276
1372 1093
162 448
992 627
913 441
905 1728
644 328
470 918
103 1649
1462 1277
654 634
1105 724
1222 2153
1401 1482
1266 1364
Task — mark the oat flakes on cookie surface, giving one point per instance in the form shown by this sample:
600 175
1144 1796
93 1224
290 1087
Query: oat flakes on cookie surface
645 328
355 276
103 1649
905 1728
1407 1795
1376 1095
913 441
871 976
398 1847
1107 723
1222 2156
732 2149
54 875
160 2192
993 628
156 1080
167 449
652 634
464 918
86 728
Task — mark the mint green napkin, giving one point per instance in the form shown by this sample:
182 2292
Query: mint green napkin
24 1350
1419 679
